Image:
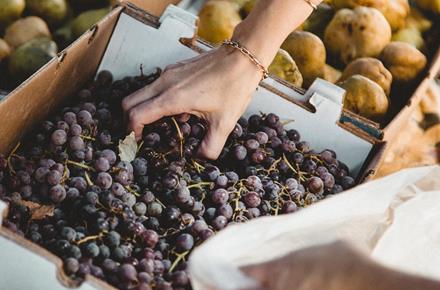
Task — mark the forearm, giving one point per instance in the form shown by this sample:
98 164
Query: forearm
269 23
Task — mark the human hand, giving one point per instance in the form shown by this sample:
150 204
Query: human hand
215 86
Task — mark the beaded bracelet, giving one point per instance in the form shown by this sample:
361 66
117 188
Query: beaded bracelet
247 53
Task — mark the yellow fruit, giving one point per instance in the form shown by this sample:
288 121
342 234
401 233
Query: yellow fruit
248 6
5 50
218 20
412 36
284 67
25 29
86 20
331 74
378 4
30 57
403 60
52 11
418 21
370 68
362 32
396 13
430 5
308 51
10 10
365 97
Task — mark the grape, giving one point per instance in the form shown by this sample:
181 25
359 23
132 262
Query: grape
127 272
184 242
179 278
152 139
182 194
104 180
84 118
289 207
139 166
123 177
329 180
70 118
219 222
71 266
68 233
315 185
113 239
105 138
170 181
212 172
275 142
57 193
154 209
347 182
102 164
117 189
61 125
79 183
262 137
91 250
251 199
240 152
198 226
129 199
53 177
150 238
104 252
252 144
288 146
253 212
237 132
258 156
197 130
75 252
220 196
76 143
92 197
293 135
59 137
226 211
140 208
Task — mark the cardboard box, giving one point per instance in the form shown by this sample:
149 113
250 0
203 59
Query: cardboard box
125 39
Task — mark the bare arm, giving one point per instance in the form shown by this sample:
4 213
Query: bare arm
217 86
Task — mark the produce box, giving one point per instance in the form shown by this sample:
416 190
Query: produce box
126 40
404 96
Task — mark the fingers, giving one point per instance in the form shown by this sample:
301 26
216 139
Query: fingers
215 139
141 96
152 110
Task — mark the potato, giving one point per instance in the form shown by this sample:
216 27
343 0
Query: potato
364 97
362 32
5 50
396 13
318 21
308 51
331 74
378 4
430 5
25 29
370 68
403 60
410 35
218 20
284 67
417 20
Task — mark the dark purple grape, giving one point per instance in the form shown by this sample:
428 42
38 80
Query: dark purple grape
128 272
240 152
289 207
220 196
109 155
104 180
226 211
252 144
59 137
288 146
347 182
211 172
152 139
57 193
182 194
329 180
293 135
71 266
237 132
184 242
150 238
315 185
219 222
102 164
252 199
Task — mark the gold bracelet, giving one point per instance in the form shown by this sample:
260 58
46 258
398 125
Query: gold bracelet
247 53
312 4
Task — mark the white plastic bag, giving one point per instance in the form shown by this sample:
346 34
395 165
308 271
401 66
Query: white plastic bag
395 219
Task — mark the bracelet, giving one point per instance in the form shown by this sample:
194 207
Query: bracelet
247 53
312 4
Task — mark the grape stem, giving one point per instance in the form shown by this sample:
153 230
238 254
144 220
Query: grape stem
179 257
11 169
200 185
199 168
89 181
179 133
90 238
131 190
87 137
81 165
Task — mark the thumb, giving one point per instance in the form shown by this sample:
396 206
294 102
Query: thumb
214 140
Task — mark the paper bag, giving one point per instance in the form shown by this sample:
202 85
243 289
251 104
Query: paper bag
395 219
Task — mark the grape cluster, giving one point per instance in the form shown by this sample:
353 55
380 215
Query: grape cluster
133 224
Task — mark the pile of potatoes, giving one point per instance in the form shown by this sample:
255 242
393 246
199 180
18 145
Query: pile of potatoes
364 46
33 31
